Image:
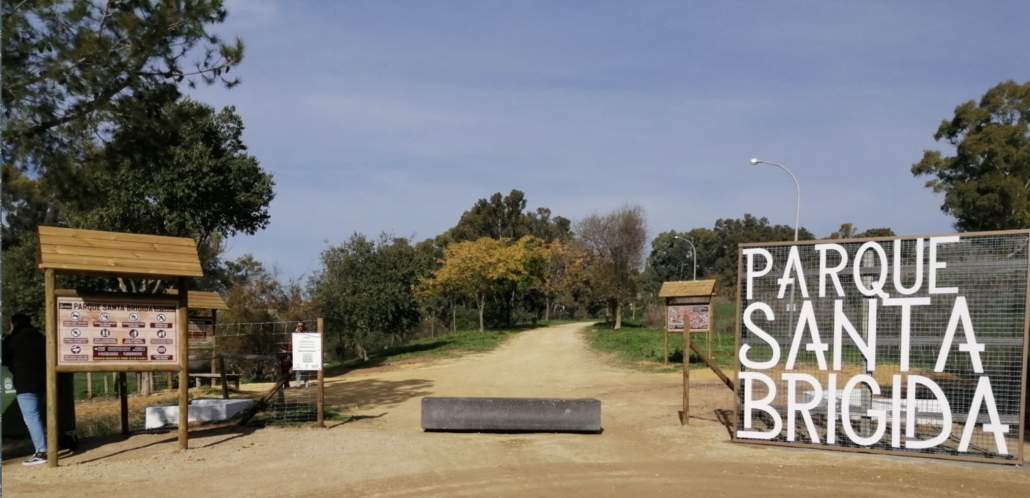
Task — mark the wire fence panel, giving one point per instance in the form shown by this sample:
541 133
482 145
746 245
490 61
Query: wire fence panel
909 346
257 358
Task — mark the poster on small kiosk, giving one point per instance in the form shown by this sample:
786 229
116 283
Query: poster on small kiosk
698 316
116 329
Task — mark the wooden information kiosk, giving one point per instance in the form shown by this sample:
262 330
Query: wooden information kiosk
116 332
688 311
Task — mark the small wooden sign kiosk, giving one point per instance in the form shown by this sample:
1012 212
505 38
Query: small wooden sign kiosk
115 332
687 307
688 310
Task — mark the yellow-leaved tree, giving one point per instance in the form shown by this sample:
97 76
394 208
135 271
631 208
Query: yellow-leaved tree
487 267
470 269
565 271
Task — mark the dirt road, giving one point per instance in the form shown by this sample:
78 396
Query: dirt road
642 452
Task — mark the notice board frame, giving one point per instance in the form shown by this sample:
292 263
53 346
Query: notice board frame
122 366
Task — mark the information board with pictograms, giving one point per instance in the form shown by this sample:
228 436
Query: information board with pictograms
116 329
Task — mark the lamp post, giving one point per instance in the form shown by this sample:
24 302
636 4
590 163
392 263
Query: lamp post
797 220
797 191
693 252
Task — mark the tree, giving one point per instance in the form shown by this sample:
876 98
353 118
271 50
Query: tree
525 268
254 293
169 167
473 269
616 244
876 232
67 63
504 217
986 183
849 231
95 135
564 273
365 291
672 258
172 167
729 232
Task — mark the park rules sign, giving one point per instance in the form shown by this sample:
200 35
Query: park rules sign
913 345
117 330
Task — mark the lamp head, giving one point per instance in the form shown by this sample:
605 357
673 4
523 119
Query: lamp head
755 161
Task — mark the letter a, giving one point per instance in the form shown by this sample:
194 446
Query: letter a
960 314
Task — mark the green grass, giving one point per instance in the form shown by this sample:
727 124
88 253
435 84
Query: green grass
449 345
642 347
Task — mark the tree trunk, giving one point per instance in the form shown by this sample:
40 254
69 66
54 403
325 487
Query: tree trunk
547 309
618 316
510 319
454 318
481 301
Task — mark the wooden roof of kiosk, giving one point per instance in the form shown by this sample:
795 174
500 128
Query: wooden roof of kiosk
123 254
687 288
202 300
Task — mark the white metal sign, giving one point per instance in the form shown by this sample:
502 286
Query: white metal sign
307 351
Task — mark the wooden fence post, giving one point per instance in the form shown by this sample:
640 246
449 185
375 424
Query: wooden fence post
51 366
123 399
182 323
685 417
320 325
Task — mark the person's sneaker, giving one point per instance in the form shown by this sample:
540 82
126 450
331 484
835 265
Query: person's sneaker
38 458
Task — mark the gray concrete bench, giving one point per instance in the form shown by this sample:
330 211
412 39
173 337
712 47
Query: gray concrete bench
511 415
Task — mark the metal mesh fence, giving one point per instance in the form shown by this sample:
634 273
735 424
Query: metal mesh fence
709 397
256 358
913 346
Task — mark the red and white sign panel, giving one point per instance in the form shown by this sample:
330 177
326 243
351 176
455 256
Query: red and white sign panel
699 316
116 330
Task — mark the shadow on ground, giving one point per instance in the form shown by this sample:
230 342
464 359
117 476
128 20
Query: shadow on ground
372 393
99 448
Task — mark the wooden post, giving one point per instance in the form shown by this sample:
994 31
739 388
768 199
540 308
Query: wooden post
51 367
685 414
123 401
214 349
182 323
320 325
89 385
665 347
225 380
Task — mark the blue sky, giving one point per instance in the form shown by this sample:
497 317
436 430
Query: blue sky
396 116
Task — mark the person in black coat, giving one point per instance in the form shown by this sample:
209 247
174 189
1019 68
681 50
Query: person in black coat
24 354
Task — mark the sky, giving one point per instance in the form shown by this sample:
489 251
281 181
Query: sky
397 116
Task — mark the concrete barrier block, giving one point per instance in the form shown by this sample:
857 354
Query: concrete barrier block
200 411
511 415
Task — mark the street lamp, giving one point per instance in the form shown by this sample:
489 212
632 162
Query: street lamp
797 191
693 252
